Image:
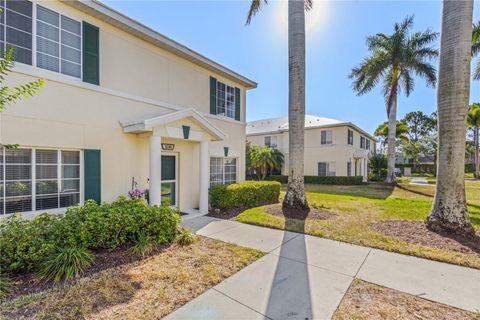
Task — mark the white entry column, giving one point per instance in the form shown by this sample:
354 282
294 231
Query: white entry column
155 174
203 201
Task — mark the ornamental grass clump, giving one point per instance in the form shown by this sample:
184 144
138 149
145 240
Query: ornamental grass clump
65 264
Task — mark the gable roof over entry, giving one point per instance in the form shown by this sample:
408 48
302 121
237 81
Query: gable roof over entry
147 125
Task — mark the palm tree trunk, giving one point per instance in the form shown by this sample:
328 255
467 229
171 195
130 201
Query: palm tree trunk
477 155
295 196
392 133
449 211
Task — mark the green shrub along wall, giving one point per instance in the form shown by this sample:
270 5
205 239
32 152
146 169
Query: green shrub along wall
26 243
244 194
354 180
430 168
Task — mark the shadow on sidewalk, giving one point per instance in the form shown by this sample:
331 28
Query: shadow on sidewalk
290 294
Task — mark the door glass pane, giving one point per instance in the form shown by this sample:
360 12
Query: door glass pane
168 193
168 168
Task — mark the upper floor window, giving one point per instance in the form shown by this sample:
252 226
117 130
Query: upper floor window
350 137
362 142
271 141
367 144
326 137
225 100
59 43
16 28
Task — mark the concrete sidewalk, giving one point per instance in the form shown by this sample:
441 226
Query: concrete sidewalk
305 277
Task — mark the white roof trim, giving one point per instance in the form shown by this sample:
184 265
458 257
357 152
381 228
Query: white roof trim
150 123
121 21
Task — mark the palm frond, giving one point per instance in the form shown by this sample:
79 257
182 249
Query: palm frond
426 71
476 72
369 73
377 42
476 38
420 39
405 25
407 82
308 5
255 6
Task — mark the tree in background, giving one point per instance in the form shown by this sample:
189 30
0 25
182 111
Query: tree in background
473 122
419 124
393 62
10 95
476 49
449 211
378 165
401 134
263 159
295 197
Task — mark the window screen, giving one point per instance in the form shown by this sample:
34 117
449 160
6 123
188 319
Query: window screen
225 100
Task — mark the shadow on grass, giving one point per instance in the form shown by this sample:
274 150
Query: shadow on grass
415 191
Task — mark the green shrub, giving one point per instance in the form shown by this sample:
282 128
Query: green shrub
185 237
65 264
339 180
244 194
143 246
26 243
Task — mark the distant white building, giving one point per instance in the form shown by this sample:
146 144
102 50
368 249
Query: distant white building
332 147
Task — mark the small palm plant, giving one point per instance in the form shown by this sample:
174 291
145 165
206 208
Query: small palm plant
394 60
264 158
473 122
401 132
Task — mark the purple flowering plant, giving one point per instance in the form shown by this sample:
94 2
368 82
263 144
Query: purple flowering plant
136 193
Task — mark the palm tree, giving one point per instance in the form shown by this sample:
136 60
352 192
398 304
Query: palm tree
473 121
295 197
449 210
394 60
265 158
476 48
401 133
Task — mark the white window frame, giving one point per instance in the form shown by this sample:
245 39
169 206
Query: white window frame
33 179
59 42
272 141
328 169
225 94
328 134
223 182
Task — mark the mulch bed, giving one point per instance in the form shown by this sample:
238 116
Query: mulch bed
25 283
314 213
415 232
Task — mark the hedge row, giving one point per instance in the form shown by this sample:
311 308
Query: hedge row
339 180
244 194
26 243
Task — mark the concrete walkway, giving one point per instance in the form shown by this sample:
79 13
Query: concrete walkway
305 277
419 180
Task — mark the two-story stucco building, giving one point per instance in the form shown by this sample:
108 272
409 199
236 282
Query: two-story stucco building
332 147
121 103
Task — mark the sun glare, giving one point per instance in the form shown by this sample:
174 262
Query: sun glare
313 18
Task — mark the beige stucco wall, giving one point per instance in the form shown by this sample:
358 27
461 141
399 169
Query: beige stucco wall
137 81
338 152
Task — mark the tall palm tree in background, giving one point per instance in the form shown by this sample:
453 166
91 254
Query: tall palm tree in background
449 210
476 49
295 197
393 62
473 121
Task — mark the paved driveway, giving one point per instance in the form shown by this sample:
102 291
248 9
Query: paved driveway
305 277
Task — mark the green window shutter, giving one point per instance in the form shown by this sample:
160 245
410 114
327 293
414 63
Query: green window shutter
92 175
91 54
237 104
213 95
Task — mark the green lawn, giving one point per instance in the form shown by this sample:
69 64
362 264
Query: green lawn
359 206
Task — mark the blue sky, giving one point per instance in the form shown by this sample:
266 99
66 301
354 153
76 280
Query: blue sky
335 43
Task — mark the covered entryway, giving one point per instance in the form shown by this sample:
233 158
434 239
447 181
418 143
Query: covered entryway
192 132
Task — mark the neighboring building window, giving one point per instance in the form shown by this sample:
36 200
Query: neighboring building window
326 137
271 141
59 43
326 169
38 179
16 29
349 168
225 100
223 171
362 142
367 145
350 137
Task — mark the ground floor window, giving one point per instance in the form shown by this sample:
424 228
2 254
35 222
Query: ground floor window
349 168
223 171
326 169
38 179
